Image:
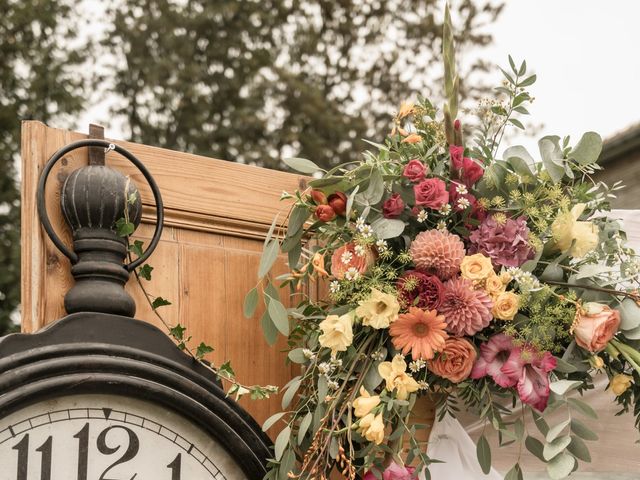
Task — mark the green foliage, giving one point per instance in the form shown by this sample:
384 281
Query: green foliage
38 81
159 302
254 81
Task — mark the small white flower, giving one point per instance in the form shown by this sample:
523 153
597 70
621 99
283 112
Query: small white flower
461 189
333 385
382 245
463 203
346 257
324 368
360 223
366 231
334 286
445 209
307 353
422 216
422 385
336 362
442 225
417 365
378 355
360 251
352 274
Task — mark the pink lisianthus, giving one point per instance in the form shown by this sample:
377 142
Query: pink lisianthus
431 193
414 170
392 206
520 367
393 472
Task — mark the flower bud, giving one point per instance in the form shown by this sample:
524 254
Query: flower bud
325 213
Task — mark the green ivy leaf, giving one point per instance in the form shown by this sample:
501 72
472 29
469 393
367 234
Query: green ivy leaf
177 332
136 248
202 350
302 165
226 371
124 228
250 303
483 452
159 302
145 271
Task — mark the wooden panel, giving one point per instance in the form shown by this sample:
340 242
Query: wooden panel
217 214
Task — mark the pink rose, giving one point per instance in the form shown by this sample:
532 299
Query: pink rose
471 171
414 170
431 193
393 206
595 325
456 152
396 472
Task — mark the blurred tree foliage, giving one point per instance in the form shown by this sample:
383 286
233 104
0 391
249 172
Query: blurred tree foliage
253 81
36 82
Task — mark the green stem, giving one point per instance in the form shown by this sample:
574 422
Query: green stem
611 291
629 353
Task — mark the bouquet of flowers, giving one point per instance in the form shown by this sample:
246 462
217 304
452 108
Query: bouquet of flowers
489 284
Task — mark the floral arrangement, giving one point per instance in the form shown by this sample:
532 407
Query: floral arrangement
491 285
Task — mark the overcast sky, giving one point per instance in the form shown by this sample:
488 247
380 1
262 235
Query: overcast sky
587 59
585 53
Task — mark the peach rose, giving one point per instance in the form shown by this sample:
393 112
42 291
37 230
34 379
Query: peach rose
505 306
455 361
346 257
595 325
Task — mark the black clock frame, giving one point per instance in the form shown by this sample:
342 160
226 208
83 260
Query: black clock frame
88 353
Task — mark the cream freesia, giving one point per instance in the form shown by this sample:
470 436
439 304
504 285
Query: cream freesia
365 403
372 428
337 333
395 375
379 310
576 237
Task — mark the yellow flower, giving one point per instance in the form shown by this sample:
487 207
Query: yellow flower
337 333
318 264
578 238
394 373
476 267
596 362
406 109
379 310
372 428
505 277
620 383
365 403
494 286
506 306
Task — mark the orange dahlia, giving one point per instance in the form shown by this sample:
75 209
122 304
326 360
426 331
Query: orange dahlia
421 332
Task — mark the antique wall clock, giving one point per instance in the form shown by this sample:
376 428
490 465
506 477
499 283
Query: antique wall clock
99 395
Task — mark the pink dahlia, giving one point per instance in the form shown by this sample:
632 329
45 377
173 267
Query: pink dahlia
466 311
417 289
438 253
505 243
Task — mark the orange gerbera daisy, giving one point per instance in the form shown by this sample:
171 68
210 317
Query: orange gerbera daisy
421 332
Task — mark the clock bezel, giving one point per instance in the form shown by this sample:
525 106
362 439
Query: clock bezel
66 359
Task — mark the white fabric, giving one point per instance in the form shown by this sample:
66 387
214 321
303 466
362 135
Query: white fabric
450 443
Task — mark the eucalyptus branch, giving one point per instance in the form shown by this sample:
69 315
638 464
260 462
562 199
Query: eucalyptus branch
635 296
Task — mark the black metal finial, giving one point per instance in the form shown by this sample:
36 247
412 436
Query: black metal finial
93 199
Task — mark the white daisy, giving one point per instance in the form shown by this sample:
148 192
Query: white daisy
445 209
359 223
334 286
461 189
422 385
422 216
442 225
366 231
360 251
346 257
352 274
382 245
463 203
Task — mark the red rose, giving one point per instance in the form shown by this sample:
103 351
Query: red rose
471 171
338 202
431 193
414 170
318 197
393 206
325 213
456 152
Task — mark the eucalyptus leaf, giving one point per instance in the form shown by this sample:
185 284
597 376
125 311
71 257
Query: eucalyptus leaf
374 192
250 303
555 447
271 421
535 446
301 165
323 388
552 272
385 228
304 426
350 200
583 408
582 430
588 149
563 386
290 393
552 157
632 334
269 256
286 464
514 474
556 430
298 216
281 442
629 315
297 356
564 367
561 466
579 449
269 329
483 452
279 316
520 159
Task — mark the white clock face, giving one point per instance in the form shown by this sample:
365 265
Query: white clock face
108 437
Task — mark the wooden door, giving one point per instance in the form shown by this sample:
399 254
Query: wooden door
217 215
